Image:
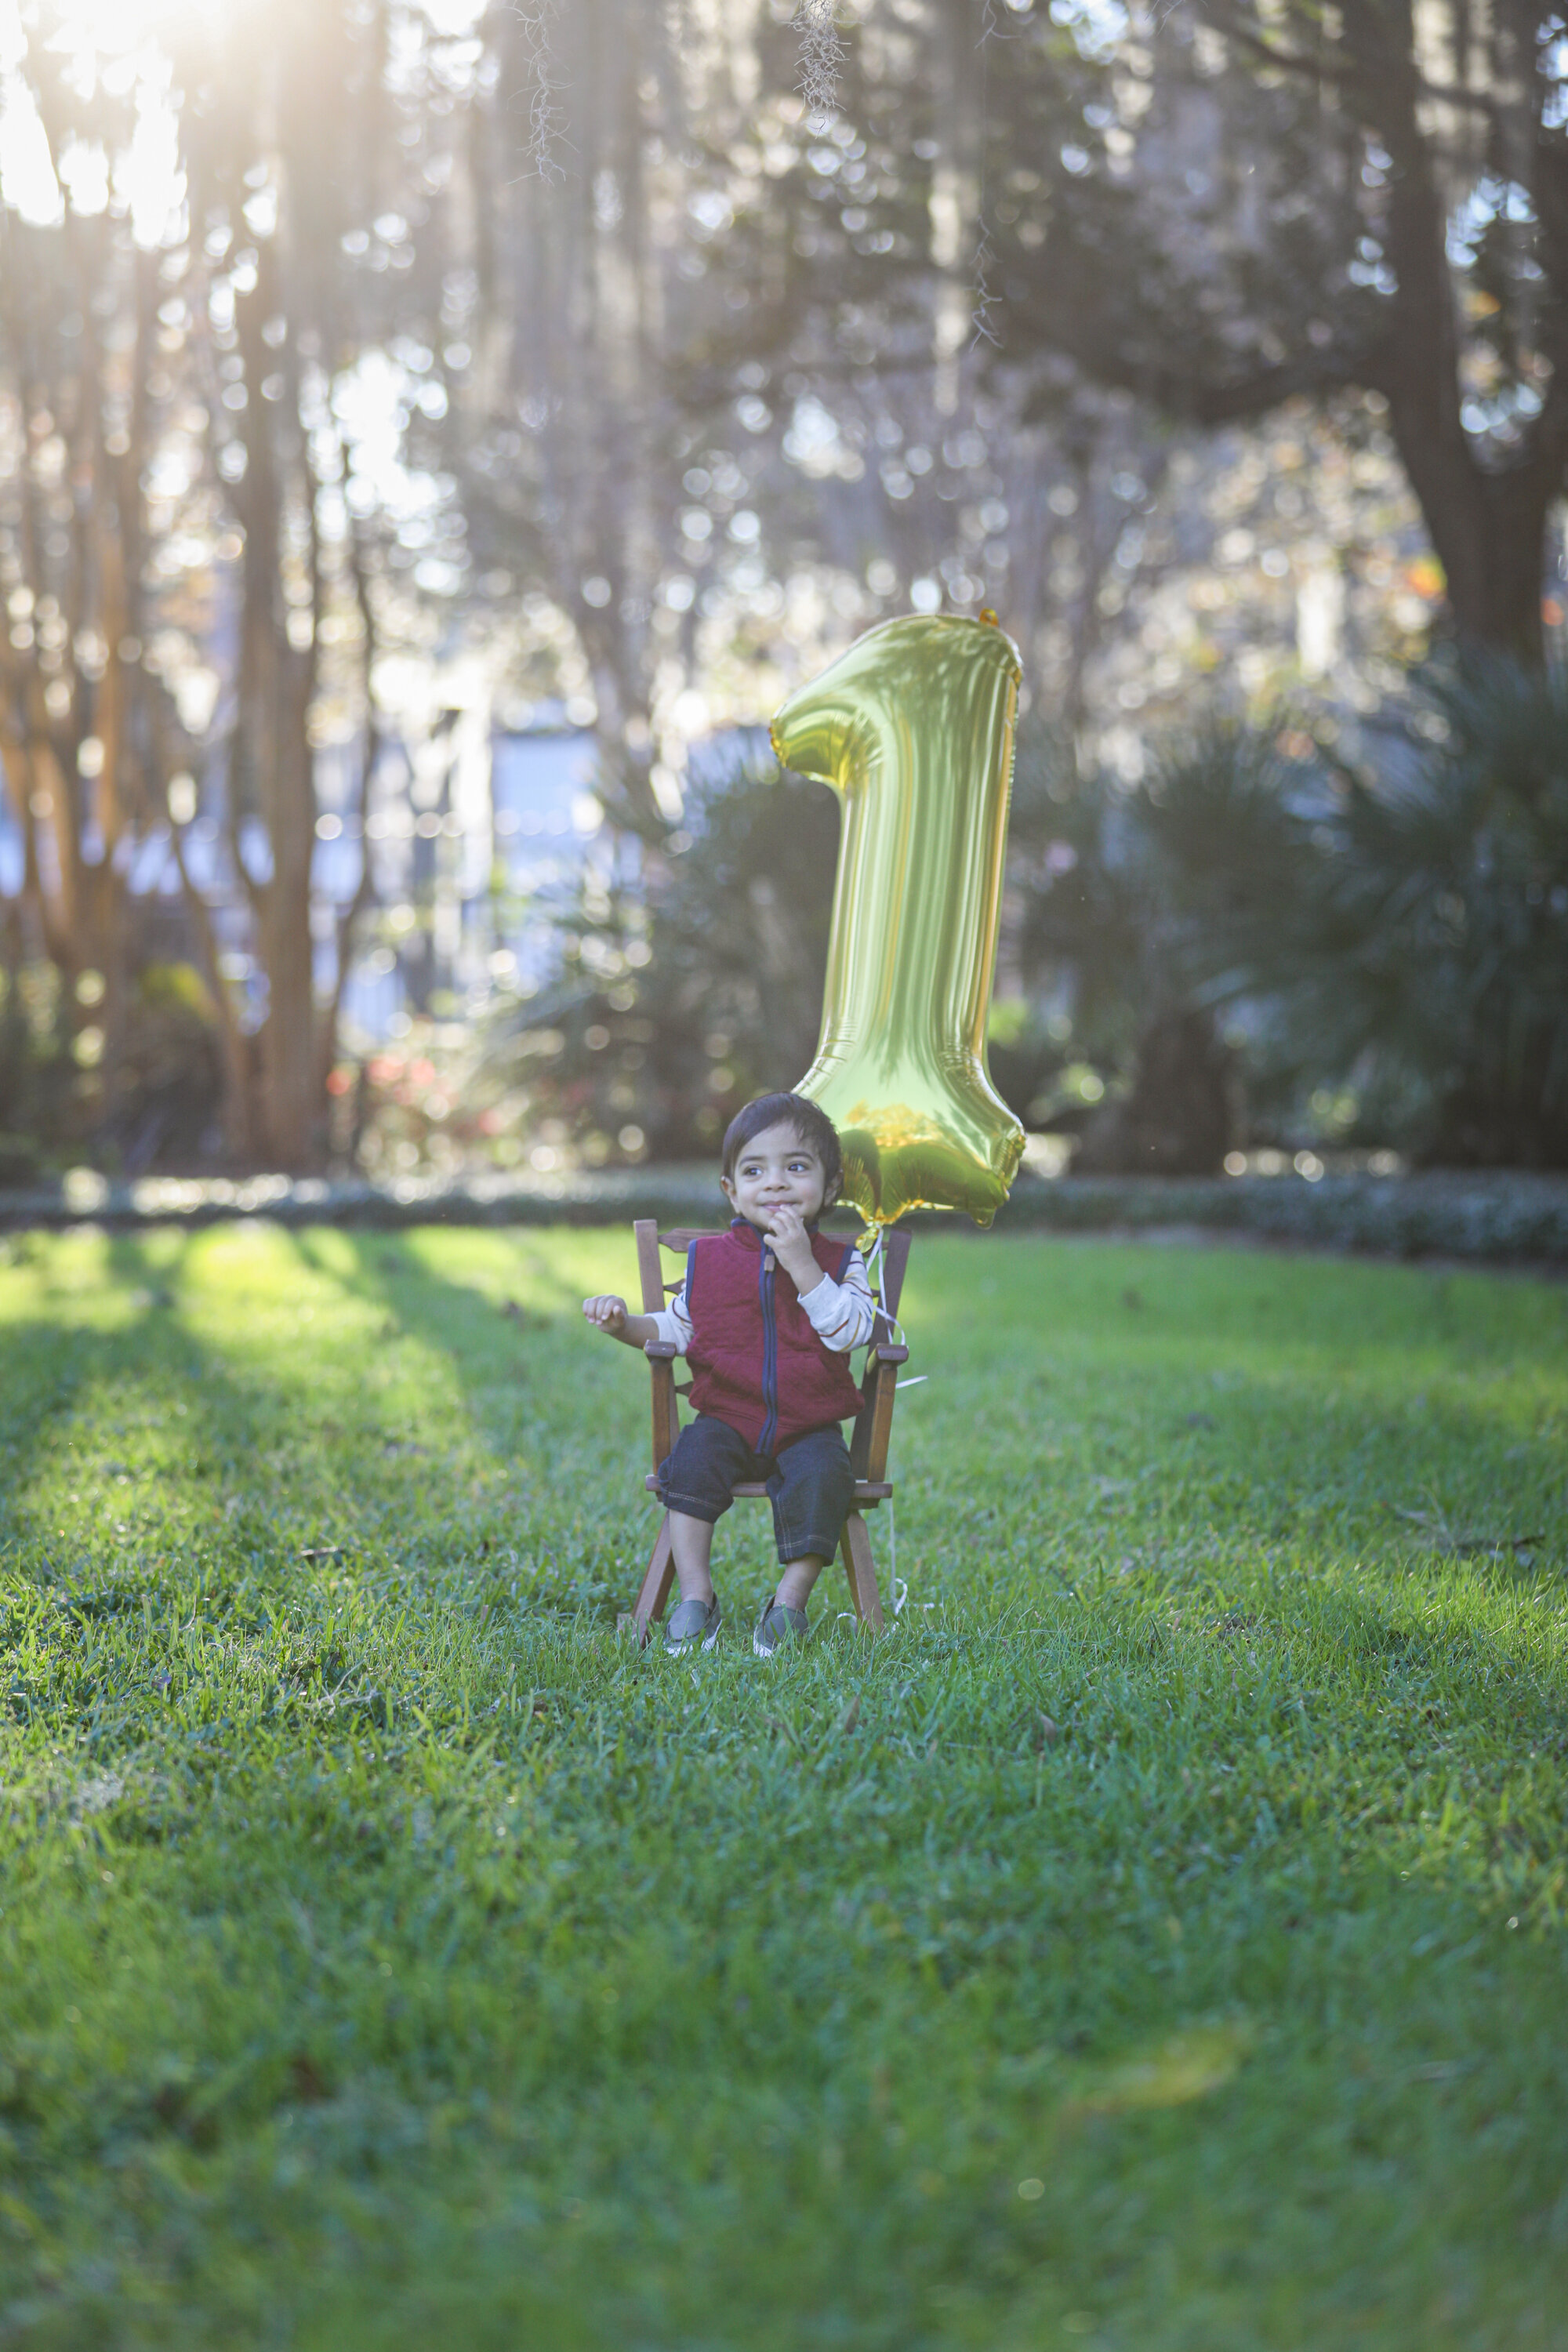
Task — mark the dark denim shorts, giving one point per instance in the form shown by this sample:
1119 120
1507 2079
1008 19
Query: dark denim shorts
810 1483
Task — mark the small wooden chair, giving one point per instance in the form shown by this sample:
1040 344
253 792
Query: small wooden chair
867 1447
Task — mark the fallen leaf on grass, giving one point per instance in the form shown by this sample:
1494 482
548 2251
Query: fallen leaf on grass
1187 2065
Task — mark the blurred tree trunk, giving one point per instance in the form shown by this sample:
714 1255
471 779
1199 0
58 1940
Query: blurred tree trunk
1178 1115
289 136
1263 201
74 735
1487 512
594 326
210 352
272 779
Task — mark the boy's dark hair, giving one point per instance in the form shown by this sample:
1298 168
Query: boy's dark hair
810 1125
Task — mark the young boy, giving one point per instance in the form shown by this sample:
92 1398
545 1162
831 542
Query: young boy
767 1317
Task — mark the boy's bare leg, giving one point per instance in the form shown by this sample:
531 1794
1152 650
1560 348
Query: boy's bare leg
796 1580
691 1548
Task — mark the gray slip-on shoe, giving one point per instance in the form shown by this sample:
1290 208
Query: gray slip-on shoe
693 1625
777 1628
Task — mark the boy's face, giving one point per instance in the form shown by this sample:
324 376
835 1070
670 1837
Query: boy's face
776 1171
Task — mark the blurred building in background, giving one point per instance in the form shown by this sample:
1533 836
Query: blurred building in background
477 842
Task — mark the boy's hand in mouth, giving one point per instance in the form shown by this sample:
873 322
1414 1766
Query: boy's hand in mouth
792 1246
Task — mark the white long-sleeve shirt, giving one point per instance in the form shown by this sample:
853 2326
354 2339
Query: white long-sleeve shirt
842 1314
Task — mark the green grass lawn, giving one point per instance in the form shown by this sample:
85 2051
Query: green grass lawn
1156 1941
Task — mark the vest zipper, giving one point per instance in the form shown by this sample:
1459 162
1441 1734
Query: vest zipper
770 1353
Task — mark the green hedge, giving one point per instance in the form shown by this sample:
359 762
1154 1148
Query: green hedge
1484 1215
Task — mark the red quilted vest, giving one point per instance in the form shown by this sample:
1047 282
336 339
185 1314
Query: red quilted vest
756 1362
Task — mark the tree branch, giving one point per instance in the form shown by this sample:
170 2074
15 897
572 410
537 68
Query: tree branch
1345 71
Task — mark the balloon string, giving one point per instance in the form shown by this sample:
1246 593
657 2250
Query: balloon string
899 1592
874 1277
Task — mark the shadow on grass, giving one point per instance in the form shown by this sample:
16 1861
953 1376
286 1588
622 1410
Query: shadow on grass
513 1441
476 1429
567 1413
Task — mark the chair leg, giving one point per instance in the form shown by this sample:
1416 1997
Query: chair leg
861 1568
655 1584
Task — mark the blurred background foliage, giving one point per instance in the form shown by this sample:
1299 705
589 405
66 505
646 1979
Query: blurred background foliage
666 1015
381 381
1258 944
1266 941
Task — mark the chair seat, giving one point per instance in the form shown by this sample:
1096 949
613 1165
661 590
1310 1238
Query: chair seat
866 1490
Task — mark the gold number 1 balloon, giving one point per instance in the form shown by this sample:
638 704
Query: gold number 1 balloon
913 729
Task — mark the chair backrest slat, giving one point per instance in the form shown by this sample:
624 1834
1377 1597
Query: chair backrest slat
650 1270
895 1263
